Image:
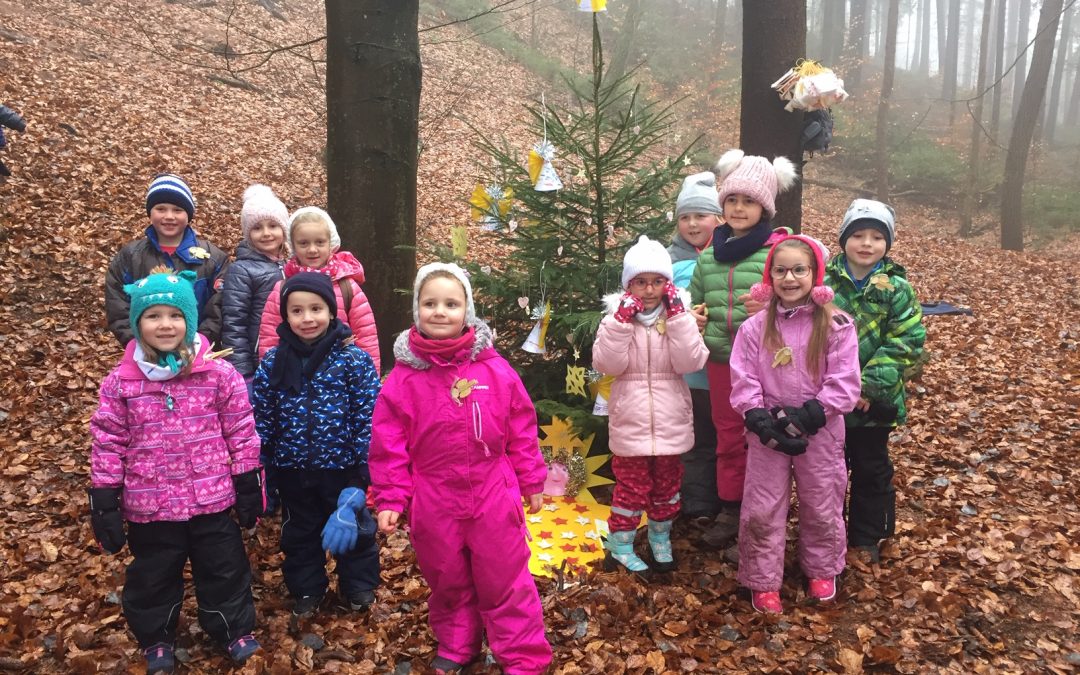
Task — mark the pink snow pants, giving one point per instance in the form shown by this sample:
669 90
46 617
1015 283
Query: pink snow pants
730 434
644 485
820 482
478 571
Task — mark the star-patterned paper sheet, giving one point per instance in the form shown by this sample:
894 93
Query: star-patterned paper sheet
567 530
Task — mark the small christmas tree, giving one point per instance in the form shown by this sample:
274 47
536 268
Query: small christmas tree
565 246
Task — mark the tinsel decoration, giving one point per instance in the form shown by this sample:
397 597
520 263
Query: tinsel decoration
574 463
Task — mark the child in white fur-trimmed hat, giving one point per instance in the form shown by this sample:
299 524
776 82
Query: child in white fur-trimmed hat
647 341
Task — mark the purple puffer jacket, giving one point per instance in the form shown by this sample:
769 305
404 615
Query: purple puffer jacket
173 464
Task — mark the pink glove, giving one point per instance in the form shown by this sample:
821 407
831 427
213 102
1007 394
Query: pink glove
672 300
628 307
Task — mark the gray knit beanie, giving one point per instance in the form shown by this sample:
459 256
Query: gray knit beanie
698 195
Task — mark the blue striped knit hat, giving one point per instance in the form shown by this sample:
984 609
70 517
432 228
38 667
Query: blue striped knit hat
168 188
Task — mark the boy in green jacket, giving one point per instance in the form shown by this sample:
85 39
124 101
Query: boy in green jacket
874 290
722 279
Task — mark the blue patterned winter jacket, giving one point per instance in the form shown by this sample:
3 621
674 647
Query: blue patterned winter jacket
328 424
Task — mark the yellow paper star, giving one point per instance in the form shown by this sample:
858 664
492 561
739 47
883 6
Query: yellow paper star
575 381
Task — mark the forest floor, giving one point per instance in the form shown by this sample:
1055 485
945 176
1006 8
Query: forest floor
980 577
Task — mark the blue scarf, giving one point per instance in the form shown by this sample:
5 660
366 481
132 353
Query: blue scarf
729 250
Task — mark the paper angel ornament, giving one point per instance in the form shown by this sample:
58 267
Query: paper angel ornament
541 172
490 204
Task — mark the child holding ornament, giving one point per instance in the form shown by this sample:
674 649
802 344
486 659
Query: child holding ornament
454 442
722 280
647 341
794 374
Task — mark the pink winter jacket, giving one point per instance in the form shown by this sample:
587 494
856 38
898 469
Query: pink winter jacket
649 412
426 448
173 464
756 383
359 317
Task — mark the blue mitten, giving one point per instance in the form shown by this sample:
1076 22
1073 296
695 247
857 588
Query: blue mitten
342 530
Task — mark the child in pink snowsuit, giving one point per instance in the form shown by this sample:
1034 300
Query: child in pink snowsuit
648 341
794 374
454 441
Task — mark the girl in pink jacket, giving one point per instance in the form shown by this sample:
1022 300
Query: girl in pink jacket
794 373
174 449
314 240
454 443
648 341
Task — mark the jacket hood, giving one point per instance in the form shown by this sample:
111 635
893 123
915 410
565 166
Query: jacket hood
485 339
348 267
611 300
244 251
681 249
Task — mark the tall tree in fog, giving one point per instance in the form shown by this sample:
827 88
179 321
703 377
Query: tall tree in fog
999 66
952 56
855 48
971 192
1072 112
882 140
1023 27
925 12
765 128
1061 54
1012 189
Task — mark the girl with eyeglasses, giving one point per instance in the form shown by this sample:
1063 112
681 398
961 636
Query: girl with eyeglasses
648 341
794 374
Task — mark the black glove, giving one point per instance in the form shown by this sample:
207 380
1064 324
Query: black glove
882 411
250 498
801 421
106 519
761 422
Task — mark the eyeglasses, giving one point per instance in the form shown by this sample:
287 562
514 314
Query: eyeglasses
640 284
798 271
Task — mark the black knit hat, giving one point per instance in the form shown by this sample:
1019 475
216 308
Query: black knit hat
312 282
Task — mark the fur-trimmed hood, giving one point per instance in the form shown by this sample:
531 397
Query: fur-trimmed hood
485 339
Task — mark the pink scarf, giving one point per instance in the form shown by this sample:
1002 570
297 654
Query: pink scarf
446 350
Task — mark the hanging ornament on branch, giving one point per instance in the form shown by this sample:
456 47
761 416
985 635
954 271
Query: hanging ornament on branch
535 343
592 5
810 86
541 172
490 204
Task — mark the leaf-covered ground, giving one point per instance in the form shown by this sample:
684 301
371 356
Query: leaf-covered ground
982 575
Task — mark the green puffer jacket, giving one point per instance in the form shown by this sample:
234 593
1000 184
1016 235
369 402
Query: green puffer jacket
891 334
719 285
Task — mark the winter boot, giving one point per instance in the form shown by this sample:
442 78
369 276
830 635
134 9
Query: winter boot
159 659
241 649
660 543
725 528
620 551
767 602
822 590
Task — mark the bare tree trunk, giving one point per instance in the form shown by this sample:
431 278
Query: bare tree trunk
908 51
1020 70
765 128
952 59
999 67
971 194
942 43
534 33
1061 54
372 110
882 27
968 71
839 20
1012 189
856 45
719 22
883 102
624 44
1072 114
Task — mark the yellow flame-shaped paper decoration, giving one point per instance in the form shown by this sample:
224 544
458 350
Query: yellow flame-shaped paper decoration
592 5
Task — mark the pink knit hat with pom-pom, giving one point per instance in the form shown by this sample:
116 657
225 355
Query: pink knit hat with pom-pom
753 176
260 203
820 294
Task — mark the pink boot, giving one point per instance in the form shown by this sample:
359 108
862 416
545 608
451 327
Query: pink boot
767 602
822 590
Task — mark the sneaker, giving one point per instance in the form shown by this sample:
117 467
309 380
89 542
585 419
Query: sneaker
724 530
159 659
242 648
767 602
360 601
822 590
307 605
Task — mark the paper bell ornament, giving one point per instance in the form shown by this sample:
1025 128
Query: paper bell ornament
535 343
490 204
541 172
592 5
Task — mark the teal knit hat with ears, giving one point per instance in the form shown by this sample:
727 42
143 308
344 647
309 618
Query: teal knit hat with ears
176 289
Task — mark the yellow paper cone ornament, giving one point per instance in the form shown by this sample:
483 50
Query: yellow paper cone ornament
592 5
490 204
535 342
541 171
601 389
